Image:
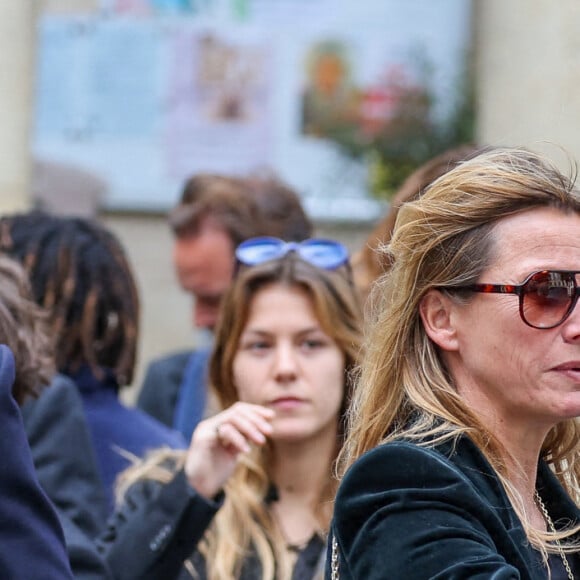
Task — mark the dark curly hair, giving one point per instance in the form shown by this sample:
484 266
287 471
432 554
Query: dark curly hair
79 273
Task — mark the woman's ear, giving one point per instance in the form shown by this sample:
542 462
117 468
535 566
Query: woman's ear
436 311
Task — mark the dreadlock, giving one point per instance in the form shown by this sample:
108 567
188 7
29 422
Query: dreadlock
79 273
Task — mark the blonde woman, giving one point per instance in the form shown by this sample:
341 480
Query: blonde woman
463 453
251 498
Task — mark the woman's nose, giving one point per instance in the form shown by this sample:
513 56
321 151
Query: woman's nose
571 326
286 367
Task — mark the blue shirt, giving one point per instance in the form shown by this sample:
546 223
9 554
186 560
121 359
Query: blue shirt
118 432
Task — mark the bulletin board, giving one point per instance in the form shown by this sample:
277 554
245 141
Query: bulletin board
145 93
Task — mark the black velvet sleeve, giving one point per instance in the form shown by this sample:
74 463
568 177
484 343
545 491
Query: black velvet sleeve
403 511
156 529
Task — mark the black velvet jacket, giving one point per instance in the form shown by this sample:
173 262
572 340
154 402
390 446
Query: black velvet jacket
404 511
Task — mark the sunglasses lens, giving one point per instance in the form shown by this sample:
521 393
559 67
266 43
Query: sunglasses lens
325 254
258 250
547 298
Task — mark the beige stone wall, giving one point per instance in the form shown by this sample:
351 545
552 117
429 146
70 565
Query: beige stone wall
165 319
67 6
16 65
528 73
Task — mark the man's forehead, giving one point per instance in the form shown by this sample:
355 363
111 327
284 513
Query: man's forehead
213 241
205 269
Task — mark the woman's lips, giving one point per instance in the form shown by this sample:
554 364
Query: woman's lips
286 403
570 369
569 366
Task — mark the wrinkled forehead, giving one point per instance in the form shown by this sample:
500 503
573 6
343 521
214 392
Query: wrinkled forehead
534 240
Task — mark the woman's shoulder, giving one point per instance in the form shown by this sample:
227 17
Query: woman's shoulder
455 465
420 499
397 460
455 452
414 455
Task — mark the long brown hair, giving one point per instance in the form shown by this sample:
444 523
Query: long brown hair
244 520
337 308
335 303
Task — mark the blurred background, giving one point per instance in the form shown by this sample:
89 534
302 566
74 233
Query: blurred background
106 106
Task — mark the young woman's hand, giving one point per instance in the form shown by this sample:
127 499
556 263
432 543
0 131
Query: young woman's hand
218 441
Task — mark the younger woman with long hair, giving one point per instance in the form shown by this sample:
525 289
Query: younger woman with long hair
252 497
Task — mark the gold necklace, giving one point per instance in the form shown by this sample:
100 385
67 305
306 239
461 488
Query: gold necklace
553 530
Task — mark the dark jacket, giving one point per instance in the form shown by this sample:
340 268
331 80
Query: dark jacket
160 389
158 528
117 431
85 560
63 455
192 400
31 538
175 389
66 468
404 511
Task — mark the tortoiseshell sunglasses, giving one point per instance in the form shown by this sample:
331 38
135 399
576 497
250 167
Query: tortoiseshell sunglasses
547 297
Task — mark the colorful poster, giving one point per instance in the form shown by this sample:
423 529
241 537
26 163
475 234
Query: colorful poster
148 7
221 112
151 91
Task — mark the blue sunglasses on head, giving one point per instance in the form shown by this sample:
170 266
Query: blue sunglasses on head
326 254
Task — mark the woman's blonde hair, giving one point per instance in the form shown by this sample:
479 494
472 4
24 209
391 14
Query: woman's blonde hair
445 238
244 521
369 263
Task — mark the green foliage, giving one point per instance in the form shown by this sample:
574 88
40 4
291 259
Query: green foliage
410 136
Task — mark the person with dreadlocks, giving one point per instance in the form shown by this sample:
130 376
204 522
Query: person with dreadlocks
80 274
